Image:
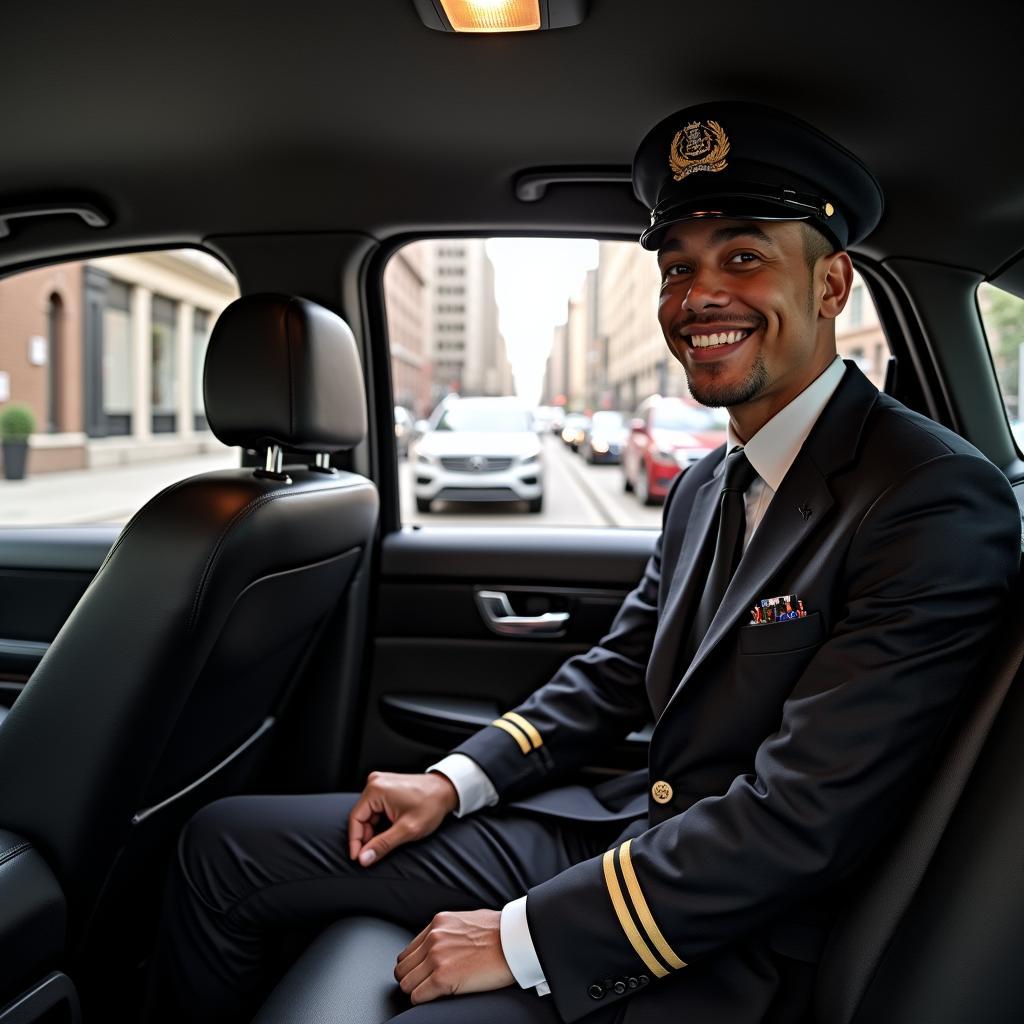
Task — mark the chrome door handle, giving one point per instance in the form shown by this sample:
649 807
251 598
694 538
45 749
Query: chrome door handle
498 615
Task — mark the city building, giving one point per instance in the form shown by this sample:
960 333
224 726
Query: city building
443 324
406 297
597 394
638 362
577 344
108 353
466 348
859 335
554 390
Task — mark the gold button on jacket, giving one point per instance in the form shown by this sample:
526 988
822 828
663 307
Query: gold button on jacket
661 791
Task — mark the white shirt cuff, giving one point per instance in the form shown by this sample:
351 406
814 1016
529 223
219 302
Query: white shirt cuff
517 945
474 788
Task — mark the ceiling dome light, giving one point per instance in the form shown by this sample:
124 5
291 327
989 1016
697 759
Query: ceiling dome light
492 15
489 16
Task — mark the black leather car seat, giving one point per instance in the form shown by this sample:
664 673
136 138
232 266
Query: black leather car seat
346 976
936 927
162 689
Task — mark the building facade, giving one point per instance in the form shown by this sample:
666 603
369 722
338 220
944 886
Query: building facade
406 298
638 362
443 324
108 353
859 335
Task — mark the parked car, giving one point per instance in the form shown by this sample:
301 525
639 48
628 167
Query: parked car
481 450
666 436
605 438
545 417
405 430
575 429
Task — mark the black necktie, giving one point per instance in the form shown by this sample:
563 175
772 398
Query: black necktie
732 527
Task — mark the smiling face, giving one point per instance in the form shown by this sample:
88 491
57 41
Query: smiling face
748 314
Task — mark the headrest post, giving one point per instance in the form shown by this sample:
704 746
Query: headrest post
273 466
322 463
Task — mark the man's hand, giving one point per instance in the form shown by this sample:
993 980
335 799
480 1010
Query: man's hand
457 953
414 804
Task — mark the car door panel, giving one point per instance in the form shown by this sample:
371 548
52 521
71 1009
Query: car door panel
43 573
441 671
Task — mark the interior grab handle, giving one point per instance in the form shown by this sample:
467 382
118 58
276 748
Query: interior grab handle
92 215
497 613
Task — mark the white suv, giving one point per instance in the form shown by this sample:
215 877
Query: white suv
480 449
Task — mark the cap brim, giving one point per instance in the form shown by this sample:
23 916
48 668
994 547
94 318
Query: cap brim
732 206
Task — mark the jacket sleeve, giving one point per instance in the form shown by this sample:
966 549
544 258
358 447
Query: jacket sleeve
594 699
928 574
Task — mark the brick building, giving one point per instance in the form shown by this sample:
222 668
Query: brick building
108 353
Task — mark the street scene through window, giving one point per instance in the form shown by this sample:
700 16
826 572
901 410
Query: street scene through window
533 385
101 399
1003 317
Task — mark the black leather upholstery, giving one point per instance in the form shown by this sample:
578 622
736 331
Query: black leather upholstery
345 977
161 690
283 370
935 933
32 916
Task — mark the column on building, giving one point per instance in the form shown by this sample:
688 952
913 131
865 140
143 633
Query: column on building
185 399
142 369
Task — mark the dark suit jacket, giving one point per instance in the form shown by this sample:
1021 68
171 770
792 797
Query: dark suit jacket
790 747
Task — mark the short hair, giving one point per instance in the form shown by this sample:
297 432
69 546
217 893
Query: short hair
816 245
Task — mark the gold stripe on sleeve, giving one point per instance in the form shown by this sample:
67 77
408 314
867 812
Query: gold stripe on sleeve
622 913
527 727
643 912
524 743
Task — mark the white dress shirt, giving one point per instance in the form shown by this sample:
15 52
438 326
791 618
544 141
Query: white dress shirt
771 451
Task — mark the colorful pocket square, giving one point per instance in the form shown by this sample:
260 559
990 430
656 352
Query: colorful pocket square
777 609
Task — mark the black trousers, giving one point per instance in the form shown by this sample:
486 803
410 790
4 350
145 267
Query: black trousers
251 869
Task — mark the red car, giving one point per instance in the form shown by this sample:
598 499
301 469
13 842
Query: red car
666 436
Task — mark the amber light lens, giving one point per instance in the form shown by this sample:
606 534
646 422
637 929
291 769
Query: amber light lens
493 15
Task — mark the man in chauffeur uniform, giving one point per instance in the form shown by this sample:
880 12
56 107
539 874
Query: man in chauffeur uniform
783 749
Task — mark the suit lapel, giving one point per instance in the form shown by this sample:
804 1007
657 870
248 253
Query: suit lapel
786 526
687 579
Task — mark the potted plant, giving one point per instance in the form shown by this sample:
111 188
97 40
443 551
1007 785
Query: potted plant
16 424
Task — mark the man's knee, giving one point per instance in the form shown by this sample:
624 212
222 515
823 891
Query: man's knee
213 849
237 845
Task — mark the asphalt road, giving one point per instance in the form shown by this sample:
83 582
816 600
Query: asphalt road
575 494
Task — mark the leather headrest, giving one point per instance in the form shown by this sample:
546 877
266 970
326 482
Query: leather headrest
284 370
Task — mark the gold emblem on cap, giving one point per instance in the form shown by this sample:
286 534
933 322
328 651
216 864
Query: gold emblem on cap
661 791
829 209
700 146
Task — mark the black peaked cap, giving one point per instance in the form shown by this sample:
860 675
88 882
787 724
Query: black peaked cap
752 162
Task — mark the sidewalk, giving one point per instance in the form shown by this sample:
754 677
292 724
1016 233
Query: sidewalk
108 495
